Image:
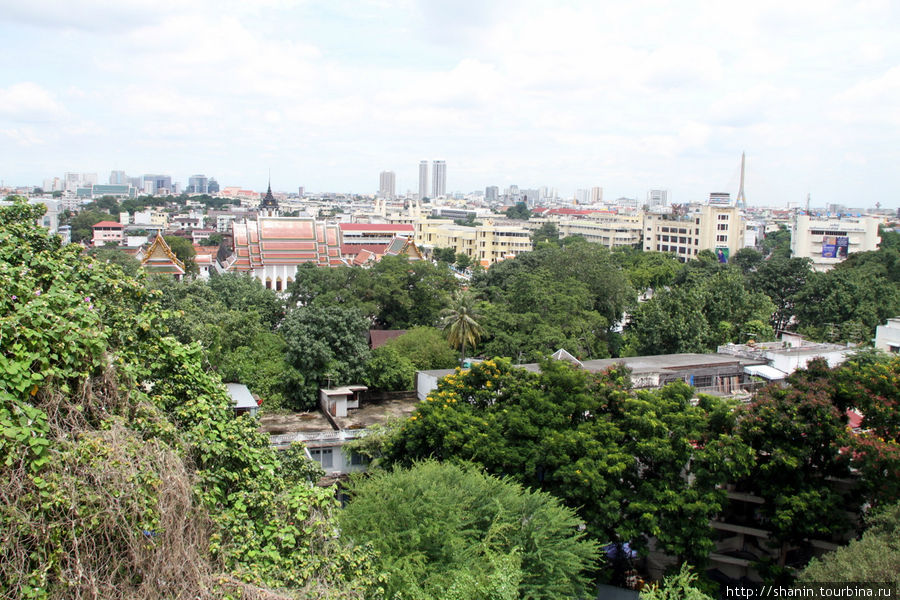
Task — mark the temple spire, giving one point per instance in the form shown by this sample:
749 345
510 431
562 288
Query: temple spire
269 205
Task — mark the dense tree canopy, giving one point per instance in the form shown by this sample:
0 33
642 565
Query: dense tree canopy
327 344
617 456
444 531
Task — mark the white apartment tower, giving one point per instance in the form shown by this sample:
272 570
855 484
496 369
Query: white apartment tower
439 179
657 198
387 185
423 179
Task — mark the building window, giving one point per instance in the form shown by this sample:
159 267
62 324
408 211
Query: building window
721 238
722 226
723 217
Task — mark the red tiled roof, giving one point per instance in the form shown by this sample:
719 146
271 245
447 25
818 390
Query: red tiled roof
379 337
354 249
375 227
854 419
109 224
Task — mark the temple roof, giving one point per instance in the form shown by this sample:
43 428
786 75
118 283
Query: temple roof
159 258
285 241
269 200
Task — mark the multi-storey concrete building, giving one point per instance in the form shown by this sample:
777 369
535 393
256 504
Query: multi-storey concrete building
439 179
828 240
387 185
487 243
423 179
719 229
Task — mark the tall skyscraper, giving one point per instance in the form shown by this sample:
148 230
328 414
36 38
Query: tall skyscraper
491 194
423 179
387 183
439 179
117 178
596 195
198 184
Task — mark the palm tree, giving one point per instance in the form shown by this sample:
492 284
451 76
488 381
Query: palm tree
460 323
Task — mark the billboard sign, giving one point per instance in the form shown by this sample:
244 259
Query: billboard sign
834 246
722 254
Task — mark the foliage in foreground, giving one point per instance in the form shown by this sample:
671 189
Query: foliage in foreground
448 532
874 557
123 472
680 586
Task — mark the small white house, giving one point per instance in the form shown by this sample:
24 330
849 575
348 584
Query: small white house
242 399
335 402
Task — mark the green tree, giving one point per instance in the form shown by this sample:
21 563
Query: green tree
680 586
519 211
82 224
463 261
129 264
781 279
387 370
854 301
874 557
447 255
748 260
446 531
777 243
548 232
798 436
327 345
635 465
648 270
461 323
539 313
213 240
183 251
426 348
297 467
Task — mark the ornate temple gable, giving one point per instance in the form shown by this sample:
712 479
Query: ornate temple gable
159 258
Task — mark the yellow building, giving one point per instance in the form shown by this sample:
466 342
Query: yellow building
609 229
487 243
719 229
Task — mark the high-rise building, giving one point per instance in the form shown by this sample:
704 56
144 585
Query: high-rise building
387 184
423 179
596 195
157 184
491 194
117 178
439 179
198 184
657 198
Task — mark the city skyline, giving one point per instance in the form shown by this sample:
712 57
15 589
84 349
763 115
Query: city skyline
627 98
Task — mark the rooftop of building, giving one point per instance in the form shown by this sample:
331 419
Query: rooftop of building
645 364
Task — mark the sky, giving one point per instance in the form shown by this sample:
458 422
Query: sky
628 96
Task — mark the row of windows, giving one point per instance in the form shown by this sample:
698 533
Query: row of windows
673 230
325 457
822 232
675 249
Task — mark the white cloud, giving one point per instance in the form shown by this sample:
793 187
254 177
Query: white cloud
29 102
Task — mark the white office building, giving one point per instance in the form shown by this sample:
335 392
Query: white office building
439 179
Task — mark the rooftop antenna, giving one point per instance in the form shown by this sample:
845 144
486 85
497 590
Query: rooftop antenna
741 200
